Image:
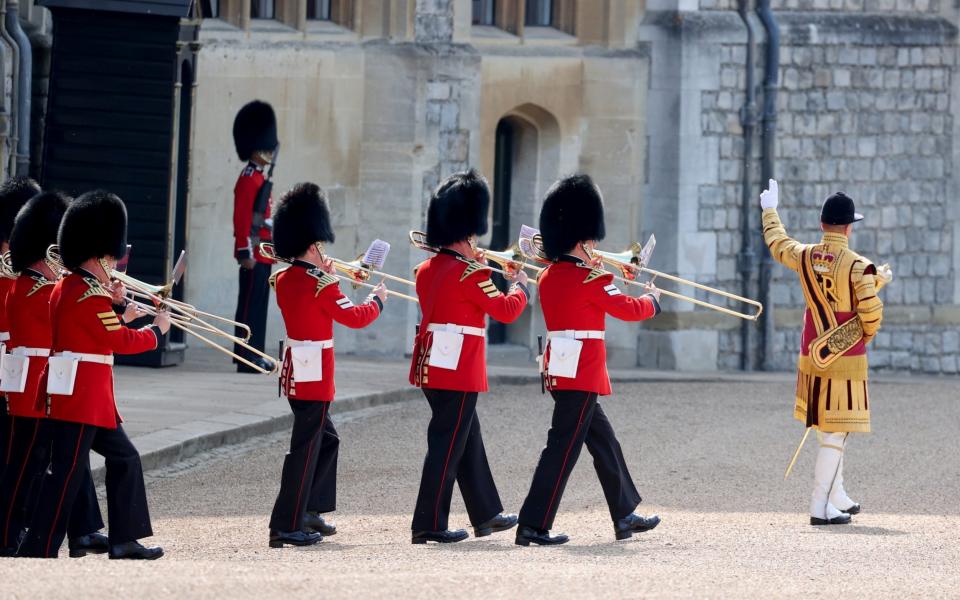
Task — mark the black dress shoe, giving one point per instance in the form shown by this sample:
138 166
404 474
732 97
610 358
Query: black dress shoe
134 551
441 537
94 543
278 539
839 520
266 365
853 510
634 523
314 522
500 522
541 537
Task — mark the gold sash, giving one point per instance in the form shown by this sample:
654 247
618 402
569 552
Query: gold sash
832 340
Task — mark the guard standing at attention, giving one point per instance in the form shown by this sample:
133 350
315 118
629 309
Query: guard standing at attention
31 339
255 137
14 193
79 383
310 300
843 314
576 298
449 360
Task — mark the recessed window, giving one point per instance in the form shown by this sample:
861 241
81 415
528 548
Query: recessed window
539 13
483 12
209 8
263 9
318 10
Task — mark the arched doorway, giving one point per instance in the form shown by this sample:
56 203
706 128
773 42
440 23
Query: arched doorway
526 158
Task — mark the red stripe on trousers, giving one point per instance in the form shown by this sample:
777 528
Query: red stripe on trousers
66 484
323 420
16 488
563 467
446 463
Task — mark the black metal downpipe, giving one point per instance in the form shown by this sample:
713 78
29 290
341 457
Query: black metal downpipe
769 127
25 85
748 121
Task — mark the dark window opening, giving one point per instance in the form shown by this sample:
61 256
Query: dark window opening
209 9
539 13
263 9
483 12
318 10
500 232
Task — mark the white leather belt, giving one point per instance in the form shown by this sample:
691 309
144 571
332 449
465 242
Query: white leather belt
4 336
300 343
454 328
575 334
24 351
102 359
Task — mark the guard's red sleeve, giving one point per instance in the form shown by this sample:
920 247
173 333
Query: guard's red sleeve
505 308
244 195
104 325
618 305
343 311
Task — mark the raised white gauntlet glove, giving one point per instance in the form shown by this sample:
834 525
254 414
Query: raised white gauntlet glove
770 197
885 273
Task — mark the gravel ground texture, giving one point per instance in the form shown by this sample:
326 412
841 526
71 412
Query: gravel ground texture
709 458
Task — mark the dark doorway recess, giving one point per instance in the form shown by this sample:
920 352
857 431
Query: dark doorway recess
119 118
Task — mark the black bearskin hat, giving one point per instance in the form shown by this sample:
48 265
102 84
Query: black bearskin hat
94 226
572 213
300 219
14 193
36 228
255 129
458 209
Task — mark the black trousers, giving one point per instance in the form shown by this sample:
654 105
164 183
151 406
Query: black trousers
309 478
126 496
253 297
20 485
578 419
6 433
454 452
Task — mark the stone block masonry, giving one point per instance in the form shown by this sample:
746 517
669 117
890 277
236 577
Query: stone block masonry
870 116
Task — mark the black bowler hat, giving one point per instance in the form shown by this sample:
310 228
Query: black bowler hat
838 209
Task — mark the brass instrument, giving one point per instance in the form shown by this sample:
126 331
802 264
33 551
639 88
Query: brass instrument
510 260
267 250
359 272
6 266
631 263
183 316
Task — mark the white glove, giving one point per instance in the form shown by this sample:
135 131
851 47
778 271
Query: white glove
885 273
770 197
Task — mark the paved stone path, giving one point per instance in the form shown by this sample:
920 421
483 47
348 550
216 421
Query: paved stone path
707 456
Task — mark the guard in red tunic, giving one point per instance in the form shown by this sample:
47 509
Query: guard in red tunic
31 338
14 193
456 295
255 137
79 383
576 297
310 300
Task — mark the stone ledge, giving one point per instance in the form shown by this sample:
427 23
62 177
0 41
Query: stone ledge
910 314
813 27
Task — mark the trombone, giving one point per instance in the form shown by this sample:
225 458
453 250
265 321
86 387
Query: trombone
357 273
510 260
6 266
183 316
630 263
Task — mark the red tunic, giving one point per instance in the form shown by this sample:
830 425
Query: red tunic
28 307
573 295
454 289
310 301
244 195
83 320
6 285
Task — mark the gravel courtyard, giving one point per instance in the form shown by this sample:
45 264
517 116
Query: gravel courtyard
708 457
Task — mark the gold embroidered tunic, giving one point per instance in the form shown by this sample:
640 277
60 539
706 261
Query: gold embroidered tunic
839 285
